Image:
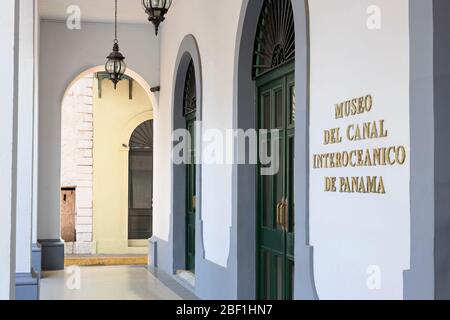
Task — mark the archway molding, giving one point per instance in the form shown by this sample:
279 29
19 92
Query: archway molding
188 52
243 242
124 153
142 82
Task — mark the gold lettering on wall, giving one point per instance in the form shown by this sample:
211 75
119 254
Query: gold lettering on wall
358 158
353 107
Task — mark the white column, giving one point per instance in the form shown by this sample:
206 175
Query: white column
35 124
25 137
8 121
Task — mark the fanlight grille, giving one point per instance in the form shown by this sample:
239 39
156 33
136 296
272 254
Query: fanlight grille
275 37
190 91
142 137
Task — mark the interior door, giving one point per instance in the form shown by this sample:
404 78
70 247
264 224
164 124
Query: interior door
68 232
275 225
140 210
140 179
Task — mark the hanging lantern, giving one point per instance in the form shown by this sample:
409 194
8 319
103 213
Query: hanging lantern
115 66
156 10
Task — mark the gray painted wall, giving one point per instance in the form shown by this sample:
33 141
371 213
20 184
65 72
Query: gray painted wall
304 272
429 276
442 148
64 54
419 280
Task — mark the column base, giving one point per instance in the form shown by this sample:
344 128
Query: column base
52 255
27 286
36 256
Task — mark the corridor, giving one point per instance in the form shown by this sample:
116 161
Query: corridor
111 283
224 150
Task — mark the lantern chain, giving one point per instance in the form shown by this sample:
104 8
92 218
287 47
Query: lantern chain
115 26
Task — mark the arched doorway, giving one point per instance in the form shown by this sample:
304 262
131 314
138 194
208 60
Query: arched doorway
186 184
140 182
273 71
95 180
190 116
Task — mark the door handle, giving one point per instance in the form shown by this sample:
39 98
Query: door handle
286 215
282 215
278 213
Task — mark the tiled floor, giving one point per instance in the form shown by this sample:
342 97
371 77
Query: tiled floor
110 283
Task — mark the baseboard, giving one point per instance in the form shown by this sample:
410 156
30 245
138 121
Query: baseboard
52 255
27 286
186 279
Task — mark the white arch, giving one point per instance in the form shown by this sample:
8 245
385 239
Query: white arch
133 74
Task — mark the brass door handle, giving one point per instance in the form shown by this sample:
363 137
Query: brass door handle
278 213
282 214
286 215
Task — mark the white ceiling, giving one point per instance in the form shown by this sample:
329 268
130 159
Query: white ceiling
130 11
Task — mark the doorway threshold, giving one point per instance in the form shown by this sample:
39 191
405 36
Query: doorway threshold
106 260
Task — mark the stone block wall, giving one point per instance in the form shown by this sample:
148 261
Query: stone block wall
77 160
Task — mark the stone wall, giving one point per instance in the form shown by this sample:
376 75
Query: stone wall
77 160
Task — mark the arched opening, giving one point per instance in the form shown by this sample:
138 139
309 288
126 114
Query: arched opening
190 116
186 236
140 182
106 165
273 70
265 54
186 174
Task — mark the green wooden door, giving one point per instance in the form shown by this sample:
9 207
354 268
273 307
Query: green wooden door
275 225
190 197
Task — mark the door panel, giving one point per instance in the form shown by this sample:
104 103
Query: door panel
68 232
276 224
140 198
190 198
266 272
289 172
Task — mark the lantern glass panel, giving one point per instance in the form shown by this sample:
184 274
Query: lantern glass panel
156 4
110 66
122 67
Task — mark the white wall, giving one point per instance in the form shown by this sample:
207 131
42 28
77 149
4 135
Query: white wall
8 101
64 54
25 136
351 232
35 127
214 26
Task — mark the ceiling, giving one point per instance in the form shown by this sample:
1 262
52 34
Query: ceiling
130 11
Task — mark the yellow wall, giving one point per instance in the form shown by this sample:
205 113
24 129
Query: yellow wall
115 118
